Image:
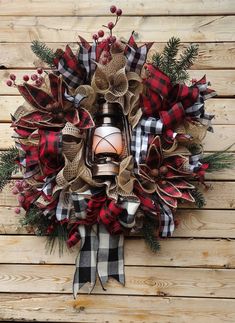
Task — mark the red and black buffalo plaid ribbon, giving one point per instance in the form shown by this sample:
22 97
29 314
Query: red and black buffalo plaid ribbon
50 151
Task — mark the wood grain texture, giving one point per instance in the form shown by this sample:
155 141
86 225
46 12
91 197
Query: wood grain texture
131 7
223 109
191 223
211 55
222 80
66 29
178 252
97 308
151 281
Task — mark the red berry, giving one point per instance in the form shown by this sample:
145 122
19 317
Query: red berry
26 78
38 83
40 70
12 77
25 185
21 198
18 184
17 210
110 25
95 37
112 39
9 83
101 33
119 12
15 191
113 9
34 77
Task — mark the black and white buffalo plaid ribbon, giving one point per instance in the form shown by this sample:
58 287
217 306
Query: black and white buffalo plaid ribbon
197 110
136 58
75 99
140 135
101 254
87 57
167 220
70 76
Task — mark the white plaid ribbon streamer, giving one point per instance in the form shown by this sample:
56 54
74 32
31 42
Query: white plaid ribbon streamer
87 58
100 253
135 58
197 110
69 75
140 135
167 220
64 206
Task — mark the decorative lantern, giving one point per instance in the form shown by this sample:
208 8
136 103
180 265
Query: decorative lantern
108 141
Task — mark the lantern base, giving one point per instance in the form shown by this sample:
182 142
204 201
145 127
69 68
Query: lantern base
107 169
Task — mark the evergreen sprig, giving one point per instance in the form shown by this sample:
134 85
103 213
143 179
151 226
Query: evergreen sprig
199 197
36 220
175 68
60 235
43 52
219 161
7 165
149 233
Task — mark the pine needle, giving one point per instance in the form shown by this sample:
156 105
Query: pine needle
43 52
199 198
175 68
7 165
60 236
219 161
149 233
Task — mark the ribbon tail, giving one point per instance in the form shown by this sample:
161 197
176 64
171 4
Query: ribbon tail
86 261
110 256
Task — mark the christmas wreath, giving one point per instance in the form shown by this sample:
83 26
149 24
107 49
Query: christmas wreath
109 143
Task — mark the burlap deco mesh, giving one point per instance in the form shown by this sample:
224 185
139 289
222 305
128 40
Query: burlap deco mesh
70 170
196 130
100 80
23 110
71 130
118 84
70 149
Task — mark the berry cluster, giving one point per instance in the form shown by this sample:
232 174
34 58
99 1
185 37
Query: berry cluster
110 26
36 78
19 187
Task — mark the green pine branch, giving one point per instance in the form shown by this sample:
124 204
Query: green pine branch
199 198
175 68
219 160
60 236
43 52
7 165
149 228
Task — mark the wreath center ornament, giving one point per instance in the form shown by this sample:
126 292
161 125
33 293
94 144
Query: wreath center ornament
108 148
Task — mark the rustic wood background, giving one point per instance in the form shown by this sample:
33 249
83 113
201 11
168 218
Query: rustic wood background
192 279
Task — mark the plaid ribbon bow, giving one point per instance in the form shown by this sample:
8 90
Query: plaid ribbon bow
101 249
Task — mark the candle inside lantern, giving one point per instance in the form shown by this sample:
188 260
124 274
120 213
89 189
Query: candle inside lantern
107 140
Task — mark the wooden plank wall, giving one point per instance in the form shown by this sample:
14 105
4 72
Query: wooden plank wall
192 279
